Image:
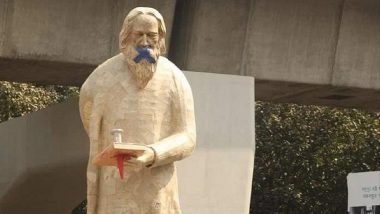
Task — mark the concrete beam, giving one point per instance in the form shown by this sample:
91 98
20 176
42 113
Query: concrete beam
324 45
314 94
44 71
74 74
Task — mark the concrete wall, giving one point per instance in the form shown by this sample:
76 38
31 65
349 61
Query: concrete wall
43 155
217 178
43 161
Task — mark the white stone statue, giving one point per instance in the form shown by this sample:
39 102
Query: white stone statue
149 98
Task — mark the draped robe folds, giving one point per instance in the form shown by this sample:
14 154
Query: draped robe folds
160 115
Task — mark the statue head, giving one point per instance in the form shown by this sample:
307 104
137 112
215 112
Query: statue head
140 21
142 41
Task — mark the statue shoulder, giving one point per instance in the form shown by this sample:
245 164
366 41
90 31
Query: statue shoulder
179 79
105 73
169 66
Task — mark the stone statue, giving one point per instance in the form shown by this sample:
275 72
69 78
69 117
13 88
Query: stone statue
149 98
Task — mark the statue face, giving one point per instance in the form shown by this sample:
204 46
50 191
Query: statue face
143 38
144 32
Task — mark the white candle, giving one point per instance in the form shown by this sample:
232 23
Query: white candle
116 133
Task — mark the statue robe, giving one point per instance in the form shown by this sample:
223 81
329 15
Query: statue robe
161 115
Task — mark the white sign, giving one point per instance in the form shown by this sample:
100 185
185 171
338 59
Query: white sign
363 189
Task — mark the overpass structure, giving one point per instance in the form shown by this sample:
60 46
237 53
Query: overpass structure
323 52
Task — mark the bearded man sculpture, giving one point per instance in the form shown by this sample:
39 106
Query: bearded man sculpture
148 97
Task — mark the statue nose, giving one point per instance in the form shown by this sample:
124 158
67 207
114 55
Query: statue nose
144 42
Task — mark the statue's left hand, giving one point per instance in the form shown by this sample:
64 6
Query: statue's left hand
140 162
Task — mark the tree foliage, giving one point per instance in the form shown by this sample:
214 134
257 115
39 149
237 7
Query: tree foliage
304 153
17 99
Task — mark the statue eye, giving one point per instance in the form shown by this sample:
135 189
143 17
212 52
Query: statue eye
153 35
138 33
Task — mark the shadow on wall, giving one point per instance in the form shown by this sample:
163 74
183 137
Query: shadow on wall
41 190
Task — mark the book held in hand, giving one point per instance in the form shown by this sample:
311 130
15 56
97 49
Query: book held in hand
108 157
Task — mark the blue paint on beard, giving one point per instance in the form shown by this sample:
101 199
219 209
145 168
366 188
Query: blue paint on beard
144 53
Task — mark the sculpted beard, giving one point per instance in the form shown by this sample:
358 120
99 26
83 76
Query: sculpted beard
142 71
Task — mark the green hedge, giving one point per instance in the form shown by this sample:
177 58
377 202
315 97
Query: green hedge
17 99
304 153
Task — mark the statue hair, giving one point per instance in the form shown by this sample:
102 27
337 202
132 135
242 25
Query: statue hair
128 21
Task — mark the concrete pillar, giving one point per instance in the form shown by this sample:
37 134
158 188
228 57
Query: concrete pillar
293 40
357 61
213 40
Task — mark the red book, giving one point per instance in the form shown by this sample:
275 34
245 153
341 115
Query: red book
116 153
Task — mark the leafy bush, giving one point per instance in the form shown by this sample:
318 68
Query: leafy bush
304 153
17 99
